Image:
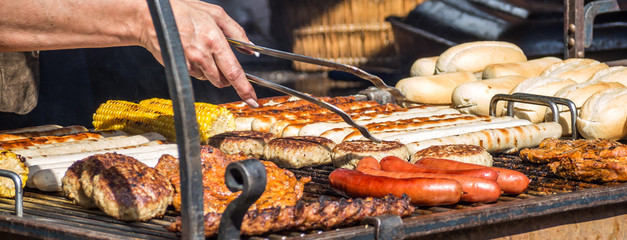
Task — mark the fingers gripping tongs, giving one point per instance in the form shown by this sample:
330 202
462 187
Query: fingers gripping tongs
276 53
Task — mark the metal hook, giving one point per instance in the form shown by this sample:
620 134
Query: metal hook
248 176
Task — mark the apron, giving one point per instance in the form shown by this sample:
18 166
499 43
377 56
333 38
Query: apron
19 81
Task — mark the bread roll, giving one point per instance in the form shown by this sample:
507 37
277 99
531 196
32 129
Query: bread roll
604 115
546 86
436 89
475 56
531 68
423 67
577 69
577 93
612 74
474 97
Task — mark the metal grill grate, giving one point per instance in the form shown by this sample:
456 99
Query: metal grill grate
53 216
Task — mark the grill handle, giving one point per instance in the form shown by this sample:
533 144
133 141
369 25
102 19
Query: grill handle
248 176
19 192
550 102
387 227
185 123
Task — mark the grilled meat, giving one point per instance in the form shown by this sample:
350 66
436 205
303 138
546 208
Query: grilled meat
132 191
250 143
71 185
553 149
322 214
597 160
121 186
282 188
592 170
299 151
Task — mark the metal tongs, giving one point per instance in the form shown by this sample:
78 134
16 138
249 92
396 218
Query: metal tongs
398 96
347 118
260 81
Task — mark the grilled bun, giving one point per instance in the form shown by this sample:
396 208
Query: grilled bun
603 115
612 74
546 86
475 56
578 93
423 67
474 97
577 69
531 68
436 89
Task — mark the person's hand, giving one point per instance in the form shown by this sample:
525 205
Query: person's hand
203 28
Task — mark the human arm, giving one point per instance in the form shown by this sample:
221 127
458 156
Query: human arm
28 25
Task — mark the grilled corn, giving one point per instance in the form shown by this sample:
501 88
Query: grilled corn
156 115
15 163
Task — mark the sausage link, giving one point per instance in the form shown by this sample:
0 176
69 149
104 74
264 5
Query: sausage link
422 191
474 189
396 164
511 182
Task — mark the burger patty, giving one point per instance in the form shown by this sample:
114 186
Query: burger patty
249 143
299 151
347 154
121 186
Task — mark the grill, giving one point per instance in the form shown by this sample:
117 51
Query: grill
49 215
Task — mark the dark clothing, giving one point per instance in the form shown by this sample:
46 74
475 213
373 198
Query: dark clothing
19 87
19 82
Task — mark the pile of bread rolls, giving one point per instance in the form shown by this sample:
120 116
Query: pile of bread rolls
468 75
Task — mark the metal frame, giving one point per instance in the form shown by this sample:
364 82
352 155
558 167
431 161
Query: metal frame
186 125
579 24
19 190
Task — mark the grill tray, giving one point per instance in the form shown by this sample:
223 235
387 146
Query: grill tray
49 215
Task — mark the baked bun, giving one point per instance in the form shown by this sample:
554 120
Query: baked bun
423 67
458 152
299 151
531 68
348 154
577 69
546 86
612 74
474 97
577 93
250 143
604 115
475 56
436 89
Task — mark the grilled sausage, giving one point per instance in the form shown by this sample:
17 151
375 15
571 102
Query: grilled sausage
511 182
395 164
475 189
422 191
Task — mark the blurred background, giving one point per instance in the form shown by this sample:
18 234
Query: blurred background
383 37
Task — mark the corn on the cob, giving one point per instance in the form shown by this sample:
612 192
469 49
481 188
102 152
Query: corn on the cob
156 115
12 162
